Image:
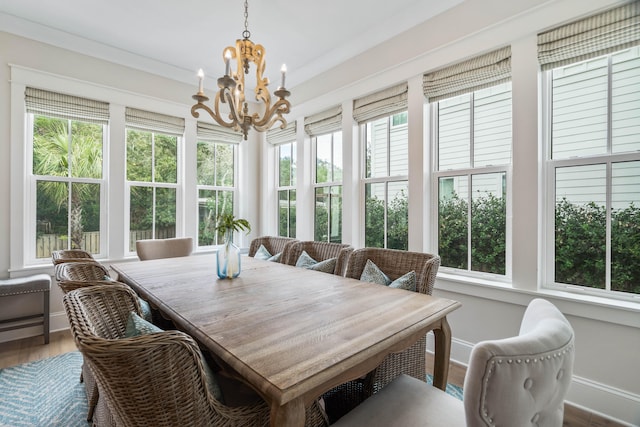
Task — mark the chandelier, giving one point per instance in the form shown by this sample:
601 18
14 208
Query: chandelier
232 89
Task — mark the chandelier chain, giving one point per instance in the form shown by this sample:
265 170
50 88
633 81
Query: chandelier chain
246 34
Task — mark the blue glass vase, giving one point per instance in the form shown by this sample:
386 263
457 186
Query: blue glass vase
228 258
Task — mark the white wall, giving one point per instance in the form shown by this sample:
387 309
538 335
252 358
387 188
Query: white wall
607 334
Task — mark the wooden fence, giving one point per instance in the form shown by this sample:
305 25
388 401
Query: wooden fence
47 243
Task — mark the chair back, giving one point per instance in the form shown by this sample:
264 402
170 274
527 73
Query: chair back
80 271
274 244
320 251
72 285
101 309
164 248
70 255
395 263
522 380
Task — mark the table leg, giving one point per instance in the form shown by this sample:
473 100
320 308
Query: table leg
442 354
291 414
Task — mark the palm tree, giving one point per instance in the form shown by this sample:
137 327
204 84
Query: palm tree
70 149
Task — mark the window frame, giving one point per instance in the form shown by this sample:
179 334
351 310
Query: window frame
386 179
550 166
178 186
330 185
30 257
469 172
288 188
217 188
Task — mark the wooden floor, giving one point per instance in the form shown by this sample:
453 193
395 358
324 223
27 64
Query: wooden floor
30 349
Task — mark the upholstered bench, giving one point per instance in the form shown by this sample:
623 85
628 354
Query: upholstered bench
27 285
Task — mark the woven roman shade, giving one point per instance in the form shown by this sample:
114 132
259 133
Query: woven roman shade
68 107
607 32
325 122
150 121
219 134
476 73
380 104
280 136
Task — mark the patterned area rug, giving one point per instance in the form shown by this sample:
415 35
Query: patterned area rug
453 390
47 393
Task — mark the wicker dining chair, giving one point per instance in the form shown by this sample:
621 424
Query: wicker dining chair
273 244
319 251
156 379
80 271
70 255
164 248
411 361
103 309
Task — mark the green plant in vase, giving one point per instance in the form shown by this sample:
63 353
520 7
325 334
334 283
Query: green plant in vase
228 257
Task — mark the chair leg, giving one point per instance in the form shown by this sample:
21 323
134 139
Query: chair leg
45 324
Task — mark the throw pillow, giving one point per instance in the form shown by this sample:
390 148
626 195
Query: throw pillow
262 253
326 266
276 257
137 326
305 261
407 282
372 273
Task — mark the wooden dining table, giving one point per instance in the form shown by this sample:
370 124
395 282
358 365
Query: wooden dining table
290 333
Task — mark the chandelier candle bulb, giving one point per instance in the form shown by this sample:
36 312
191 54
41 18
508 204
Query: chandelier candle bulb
200 81
283 70
227 63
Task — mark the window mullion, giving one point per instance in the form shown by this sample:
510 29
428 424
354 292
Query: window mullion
609 175
469 203
471 129
69 183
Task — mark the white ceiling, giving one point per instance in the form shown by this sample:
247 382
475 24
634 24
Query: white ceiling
175 38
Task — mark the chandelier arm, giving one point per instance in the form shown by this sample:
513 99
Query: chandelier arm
282 106
236 116
215 115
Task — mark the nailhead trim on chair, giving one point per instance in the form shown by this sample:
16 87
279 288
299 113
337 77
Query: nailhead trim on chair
499 361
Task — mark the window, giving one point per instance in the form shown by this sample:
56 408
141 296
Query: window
287 189
385 182
473 157
152 174
328 187
67 136
67 167
216 177
594 174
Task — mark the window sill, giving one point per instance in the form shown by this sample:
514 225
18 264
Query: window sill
620 312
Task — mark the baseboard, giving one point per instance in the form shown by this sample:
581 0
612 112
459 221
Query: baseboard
609 402
604 400
58 322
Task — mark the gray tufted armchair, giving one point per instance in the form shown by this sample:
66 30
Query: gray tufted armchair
517 381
